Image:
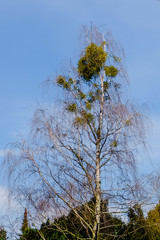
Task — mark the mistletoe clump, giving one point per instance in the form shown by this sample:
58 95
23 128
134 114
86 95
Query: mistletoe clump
62 82
111 71
92 62
72 107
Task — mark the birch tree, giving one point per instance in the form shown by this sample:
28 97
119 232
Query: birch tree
85 146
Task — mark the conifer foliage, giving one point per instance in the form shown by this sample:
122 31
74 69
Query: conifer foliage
25 222
3 234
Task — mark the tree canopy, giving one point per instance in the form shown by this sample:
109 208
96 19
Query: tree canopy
83 148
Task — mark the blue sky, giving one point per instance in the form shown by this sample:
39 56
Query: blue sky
37 36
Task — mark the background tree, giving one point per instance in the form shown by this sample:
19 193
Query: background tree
153 223
3 234
73 229
30 234
137 226
85 147
25 222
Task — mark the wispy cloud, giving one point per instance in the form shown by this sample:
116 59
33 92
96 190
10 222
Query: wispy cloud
154 141
2 153
4 199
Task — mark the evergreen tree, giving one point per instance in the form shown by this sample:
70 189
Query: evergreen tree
70 227
3 234
31 234
25 221
137 226
153 223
